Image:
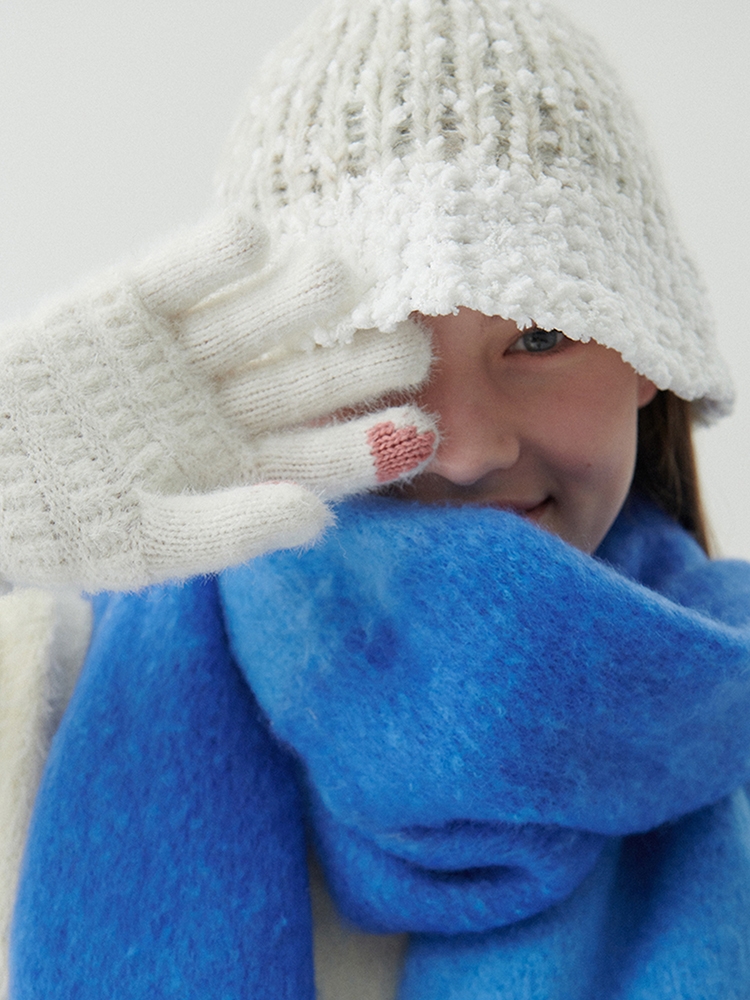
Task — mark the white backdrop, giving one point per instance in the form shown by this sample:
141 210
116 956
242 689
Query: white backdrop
113 112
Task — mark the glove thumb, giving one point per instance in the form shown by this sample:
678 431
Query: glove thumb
186 535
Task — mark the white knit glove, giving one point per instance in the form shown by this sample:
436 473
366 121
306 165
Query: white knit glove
153 426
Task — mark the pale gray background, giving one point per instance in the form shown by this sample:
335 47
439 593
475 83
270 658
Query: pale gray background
113 112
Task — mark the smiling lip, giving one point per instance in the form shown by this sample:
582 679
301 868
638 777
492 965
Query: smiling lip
532 509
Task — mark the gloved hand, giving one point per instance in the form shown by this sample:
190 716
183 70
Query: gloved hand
166 421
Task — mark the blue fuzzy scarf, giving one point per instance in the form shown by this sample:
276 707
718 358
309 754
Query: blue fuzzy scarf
530 759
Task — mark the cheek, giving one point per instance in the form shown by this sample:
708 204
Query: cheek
603 442
596 426
593 449
598 407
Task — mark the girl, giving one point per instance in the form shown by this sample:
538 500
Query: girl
526 757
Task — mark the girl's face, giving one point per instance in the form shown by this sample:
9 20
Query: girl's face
531 422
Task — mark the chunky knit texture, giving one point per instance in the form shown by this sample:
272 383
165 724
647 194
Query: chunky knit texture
467 699
476 153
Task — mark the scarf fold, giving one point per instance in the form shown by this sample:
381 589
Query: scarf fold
477 705
481 721
166 855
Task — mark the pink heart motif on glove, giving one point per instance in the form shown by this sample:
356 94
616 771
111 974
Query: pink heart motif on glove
397 450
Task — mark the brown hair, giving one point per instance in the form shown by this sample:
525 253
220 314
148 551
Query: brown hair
665 469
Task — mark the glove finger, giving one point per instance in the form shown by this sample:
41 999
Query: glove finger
311 384
199 261
273 308
349 457
187 535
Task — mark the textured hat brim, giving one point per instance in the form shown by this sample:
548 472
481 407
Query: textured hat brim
528 193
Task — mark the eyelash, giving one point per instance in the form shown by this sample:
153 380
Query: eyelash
515 347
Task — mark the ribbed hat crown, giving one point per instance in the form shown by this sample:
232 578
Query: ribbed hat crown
476 153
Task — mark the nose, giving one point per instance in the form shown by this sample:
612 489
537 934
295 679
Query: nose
477 439
480 430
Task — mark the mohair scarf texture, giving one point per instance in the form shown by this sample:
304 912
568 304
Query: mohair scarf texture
529 758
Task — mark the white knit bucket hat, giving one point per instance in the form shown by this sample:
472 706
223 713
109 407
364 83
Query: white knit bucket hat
476 153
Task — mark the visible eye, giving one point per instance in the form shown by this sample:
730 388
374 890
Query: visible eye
537 341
